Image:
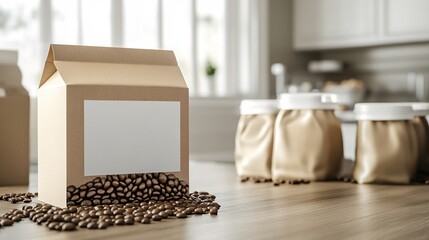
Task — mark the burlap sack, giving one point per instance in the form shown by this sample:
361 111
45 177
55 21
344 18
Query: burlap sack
253 145
307 145
386 152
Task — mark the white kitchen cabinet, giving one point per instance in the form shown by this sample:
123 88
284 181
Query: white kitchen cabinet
405 21
334 23
329 24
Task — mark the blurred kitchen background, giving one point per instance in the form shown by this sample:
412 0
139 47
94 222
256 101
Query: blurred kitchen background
366 50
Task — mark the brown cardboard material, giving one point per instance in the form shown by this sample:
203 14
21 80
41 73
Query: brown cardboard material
73 74
14 123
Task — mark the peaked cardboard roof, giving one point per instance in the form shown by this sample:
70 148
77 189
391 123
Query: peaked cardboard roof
84 65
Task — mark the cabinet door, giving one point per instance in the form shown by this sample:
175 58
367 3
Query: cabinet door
327 24
405 21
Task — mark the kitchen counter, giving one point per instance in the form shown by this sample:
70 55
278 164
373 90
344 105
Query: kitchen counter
325 210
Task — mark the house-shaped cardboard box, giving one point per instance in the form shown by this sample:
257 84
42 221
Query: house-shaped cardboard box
14 123
108 111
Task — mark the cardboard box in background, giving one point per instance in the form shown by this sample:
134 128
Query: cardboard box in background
105 111
14 123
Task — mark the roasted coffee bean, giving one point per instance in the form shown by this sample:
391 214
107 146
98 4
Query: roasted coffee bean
90 194
198 211
115 184
92 225
145 220
129 221
52 225
71 188
106 185
156 218
68 227
86 203
181 215
213 211
119 221
82 224
6 222
103 225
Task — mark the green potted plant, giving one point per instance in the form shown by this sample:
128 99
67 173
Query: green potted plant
210 70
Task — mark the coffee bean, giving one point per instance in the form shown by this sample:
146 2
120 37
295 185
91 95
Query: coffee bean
6 222
52 225
129 221
163 178
119 221
213 211
68 227
148 183
181 215
92 225
103 225
82 224
86 203
115 184
71 188
198 211
156 218
91 194
145 220
107 185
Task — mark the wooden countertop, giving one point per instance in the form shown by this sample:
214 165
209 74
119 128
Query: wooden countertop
328 210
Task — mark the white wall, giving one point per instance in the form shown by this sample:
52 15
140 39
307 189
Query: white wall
212 128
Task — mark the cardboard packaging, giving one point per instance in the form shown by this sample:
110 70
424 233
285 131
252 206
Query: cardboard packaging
105 111
14 123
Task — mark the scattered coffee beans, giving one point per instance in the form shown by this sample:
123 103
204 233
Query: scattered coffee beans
264 180
105 216
255 179
346 179
18 197
292 182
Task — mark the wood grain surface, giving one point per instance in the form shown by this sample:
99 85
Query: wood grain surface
328 210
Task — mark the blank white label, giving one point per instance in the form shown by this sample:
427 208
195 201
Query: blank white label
131 137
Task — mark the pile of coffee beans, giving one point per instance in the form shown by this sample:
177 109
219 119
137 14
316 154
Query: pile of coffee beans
104 216
127 188
18 197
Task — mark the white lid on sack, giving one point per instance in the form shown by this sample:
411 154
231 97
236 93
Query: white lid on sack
383 112
300 101
420 109
258 106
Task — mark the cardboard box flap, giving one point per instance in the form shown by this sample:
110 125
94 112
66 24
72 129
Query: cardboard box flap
10 75
83 65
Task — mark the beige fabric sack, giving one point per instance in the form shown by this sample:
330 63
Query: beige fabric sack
386 146
254 138
421 126
307 141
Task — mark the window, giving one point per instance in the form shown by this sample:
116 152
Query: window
211 38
